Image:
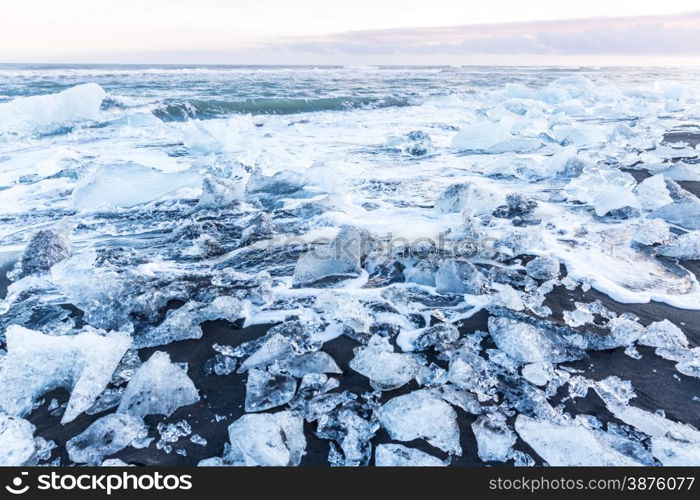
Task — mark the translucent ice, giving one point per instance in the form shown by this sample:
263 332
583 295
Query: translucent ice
543 268
16 441
651 231
460 276
468 197
47 113
569 444
652 193
259 227
396 455
664 335
218 192
481 136
420 414
129 184
423 338
45 248
530 344
684 247
281 183
340 259
265 390
353 433
267 439
37 363
311 362
493 437
105 436
604 188
159 387
385 369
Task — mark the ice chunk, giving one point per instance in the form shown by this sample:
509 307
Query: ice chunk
538 373
397 455
281 341
460 276
530 344
171 433
664 335
128 185
421 272
339 260
159 387
46 248
420 414
493 437
352 432
218 192
16 441
605 189
571 444
44 114
468 197
517 205
652 193
481 136
415 143
267 439
472 372
215 136
651 231
684 247
423 338
105 436
281 183
684 211
311 362
220 365
37 363
543 268
385 369
265 390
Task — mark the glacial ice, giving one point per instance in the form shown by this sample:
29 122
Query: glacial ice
530 344
543 268
421 415
105 436
340 259
397 455
468 197
605 189
423 338
16 441
683 211
652 231
569 444
481 136
44 114
311 362
684 247
266 390
129 184
266 439
159 387
415 143
493 437
36 363
385 369
259 227
652 193
345 427
46 248
460 276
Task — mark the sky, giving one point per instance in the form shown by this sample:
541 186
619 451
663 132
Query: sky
351 31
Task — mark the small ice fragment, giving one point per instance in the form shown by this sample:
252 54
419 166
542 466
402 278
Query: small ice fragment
420 414
104 437
198 440
493 437
281 183
664 335
538 373
16 441
460 276
385 369
543 268
351 432
266 439
159 387
397 455
37 363
311 362
265 390
220 365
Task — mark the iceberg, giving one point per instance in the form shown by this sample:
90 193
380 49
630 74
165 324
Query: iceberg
37 363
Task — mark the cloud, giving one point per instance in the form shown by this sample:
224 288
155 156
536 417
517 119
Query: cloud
666 36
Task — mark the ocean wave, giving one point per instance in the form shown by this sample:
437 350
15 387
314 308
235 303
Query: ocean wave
204 109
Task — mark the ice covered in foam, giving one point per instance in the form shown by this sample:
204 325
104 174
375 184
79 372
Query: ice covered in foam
37 363
47 113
